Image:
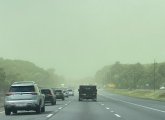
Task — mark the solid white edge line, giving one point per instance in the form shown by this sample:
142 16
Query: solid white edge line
135 104
117 115
49 115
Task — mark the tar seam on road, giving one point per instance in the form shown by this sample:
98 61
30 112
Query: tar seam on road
55 112
135 104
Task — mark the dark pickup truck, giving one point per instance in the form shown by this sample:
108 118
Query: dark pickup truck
87 92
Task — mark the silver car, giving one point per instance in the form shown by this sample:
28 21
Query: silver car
71 92
24 95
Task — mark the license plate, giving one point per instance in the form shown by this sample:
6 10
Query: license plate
20 104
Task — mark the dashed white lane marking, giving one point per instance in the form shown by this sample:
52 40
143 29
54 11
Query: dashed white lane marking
60 108
49 115
117 115
107 108
102 104
55 111
154 109
112 111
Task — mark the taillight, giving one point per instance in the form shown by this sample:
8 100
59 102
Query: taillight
49 94
8 94
34 93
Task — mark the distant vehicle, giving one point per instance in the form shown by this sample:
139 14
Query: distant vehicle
162 88
66 93
87 92
70 92
59 94
50 97
24 95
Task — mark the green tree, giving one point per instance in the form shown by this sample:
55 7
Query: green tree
2 77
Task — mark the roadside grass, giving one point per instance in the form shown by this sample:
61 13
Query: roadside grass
140 93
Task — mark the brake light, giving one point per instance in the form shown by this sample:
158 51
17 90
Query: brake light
34 93
49 94
8 94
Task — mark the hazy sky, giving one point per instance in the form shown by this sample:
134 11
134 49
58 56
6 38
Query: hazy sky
78 37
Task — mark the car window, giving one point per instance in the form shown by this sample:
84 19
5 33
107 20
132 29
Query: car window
45 91
58 91
22 89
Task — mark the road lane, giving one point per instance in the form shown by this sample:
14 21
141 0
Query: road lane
151 104
31 115
108 107
129 110
85 110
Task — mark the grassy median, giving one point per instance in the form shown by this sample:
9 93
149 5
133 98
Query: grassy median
140 93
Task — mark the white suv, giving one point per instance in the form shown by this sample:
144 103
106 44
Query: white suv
24 95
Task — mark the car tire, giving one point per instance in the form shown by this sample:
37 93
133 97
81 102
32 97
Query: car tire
7 111
15 111
38 109
53 102
43 108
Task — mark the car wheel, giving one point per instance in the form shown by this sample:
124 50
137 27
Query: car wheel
38 109
7 111
53 102
80 99
43 108
15 111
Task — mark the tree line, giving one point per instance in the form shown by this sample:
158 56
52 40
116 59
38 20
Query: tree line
19 70
132 76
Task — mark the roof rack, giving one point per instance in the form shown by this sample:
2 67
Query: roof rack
28 82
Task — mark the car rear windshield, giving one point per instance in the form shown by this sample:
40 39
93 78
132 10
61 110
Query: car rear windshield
45 91
58 91
22 89
88 88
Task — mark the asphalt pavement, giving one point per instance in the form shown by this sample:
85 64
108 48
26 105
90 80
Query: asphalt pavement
108 107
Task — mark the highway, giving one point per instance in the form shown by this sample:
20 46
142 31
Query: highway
108 107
